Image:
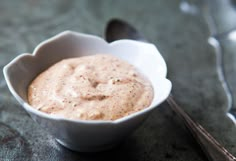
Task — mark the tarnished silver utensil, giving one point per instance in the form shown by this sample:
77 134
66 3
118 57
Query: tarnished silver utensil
117 29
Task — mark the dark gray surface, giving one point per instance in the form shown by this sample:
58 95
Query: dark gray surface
223 14
181 37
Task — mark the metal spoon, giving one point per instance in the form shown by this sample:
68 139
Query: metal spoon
117 29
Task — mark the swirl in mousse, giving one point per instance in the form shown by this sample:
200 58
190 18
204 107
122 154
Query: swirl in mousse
96 87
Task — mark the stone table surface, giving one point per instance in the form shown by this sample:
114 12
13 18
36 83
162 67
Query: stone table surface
179 29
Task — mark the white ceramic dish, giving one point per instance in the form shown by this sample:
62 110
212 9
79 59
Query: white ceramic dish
87 136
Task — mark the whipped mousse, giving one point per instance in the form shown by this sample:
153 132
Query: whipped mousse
96 87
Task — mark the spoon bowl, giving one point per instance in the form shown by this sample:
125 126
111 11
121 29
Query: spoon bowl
114 28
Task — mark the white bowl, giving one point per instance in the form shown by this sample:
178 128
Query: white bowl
80 135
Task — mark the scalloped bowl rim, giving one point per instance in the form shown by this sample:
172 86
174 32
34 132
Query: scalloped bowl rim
30 109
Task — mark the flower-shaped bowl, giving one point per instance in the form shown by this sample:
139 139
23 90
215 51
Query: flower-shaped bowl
81 135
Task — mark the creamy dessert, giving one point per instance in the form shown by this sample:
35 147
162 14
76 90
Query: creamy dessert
97 87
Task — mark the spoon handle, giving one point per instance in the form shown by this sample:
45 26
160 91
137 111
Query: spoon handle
118 29
213 150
